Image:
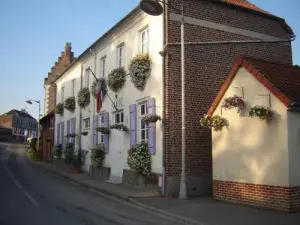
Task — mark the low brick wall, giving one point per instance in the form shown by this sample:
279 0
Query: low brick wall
265 196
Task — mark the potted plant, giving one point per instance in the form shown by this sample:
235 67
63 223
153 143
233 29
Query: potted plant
59 109
103 130
83 97
119 127
151 118
116 79
140 70
97 155
234 102
216 122
70 104
261 112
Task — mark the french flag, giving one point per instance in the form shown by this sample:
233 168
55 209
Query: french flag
100 96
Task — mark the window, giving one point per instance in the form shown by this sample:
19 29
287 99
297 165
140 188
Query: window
119 117
101 124
144 41
29 124
86 78
103 66
86 123
73 87
143 110
120 56
62 94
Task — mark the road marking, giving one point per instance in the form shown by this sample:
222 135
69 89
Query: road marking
21 187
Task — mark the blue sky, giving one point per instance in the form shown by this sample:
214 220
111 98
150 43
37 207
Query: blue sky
34 32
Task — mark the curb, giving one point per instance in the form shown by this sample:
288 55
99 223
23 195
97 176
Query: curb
121 198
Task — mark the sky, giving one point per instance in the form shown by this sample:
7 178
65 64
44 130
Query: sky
34 32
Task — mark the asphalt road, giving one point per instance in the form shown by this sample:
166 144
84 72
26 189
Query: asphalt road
31 196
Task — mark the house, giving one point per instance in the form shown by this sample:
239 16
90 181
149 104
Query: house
216 32
63 61
255 160
47 136
21 124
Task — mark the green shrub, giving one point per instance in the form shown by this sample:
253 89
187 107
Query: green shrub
97 155
57 151
69 153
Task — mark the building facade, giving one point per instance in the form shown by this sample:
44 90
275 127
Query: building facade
47 136
21 123
207 64
66 58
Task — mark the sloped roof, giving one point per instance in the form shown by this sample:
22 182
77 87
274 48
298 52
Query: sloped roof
282 80
48 115
245 4
20 113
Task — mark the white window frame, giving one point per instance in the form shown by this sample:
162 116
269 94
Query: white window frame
140 123
62 94
102 66
120 117
144 43
120 56
86 77
73 87
84 123
101 124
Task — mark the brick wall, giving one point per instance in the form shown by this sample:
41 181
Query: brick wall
273 197
66 58
6 122
206 69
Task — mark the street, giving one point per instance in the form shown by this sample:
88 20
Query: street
31 196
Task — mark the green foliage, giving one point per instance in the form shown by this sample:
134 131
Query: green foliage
116 79
59 109
103 130
70 104
94 86
83 97
151 119
69 153
119 127
98 155
57 151
261 112
216 122
84 133
140 70
139 160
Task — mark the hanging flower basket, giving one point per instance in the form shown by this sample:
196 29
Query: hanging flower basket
216 122
98 155
85 133
71 135
139 160
70 104
140 70
119 127
103 130
150 119
234 102
116 79
59 109
94 87
261 112
83 97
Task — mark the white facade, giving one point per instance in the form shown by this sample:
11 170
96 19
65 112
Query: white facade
254 151
139 33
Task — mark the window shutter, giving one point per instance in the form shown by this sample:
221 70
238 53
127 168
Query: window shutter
74 131
132 110
151 127
68 129
62 134
106 136
58 134
95 133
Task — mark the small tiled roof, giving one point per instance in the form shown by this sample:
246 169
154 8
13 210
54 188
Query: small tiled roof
282 80
48 115
246 4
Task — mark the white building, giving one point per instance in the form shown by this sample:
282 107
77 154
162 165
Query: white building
136 33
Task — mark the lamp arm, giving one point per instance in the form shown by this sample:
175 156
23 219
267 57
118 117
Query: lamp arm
170 5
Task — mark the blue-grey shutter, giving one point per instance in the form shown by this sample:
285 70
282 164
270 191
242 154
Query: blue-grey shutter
58 134
74 132
132 111
62 134
151 127
95 133
106 136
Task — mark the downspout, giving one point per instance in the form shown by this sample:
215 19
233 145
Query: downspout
80 120
93 99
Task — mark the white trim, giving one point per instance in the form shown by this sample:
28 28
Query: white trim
141 100
221 27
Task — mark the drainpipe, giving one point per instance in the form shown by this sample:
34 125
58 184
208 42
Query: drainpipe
80 119
93 100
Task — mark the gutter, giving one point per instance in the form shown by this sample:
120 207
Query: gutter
294 106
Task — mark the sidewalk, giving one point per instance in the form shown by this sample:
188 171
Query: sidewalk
204 211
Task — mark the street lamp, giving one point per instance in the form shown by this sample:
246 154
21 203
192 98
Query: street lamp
38 130
154 8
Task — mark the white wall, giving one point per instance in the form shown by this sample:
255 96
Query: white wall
251 150
294 147
128 33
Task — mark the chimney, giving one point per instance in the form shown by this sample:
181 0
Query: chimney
68 48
